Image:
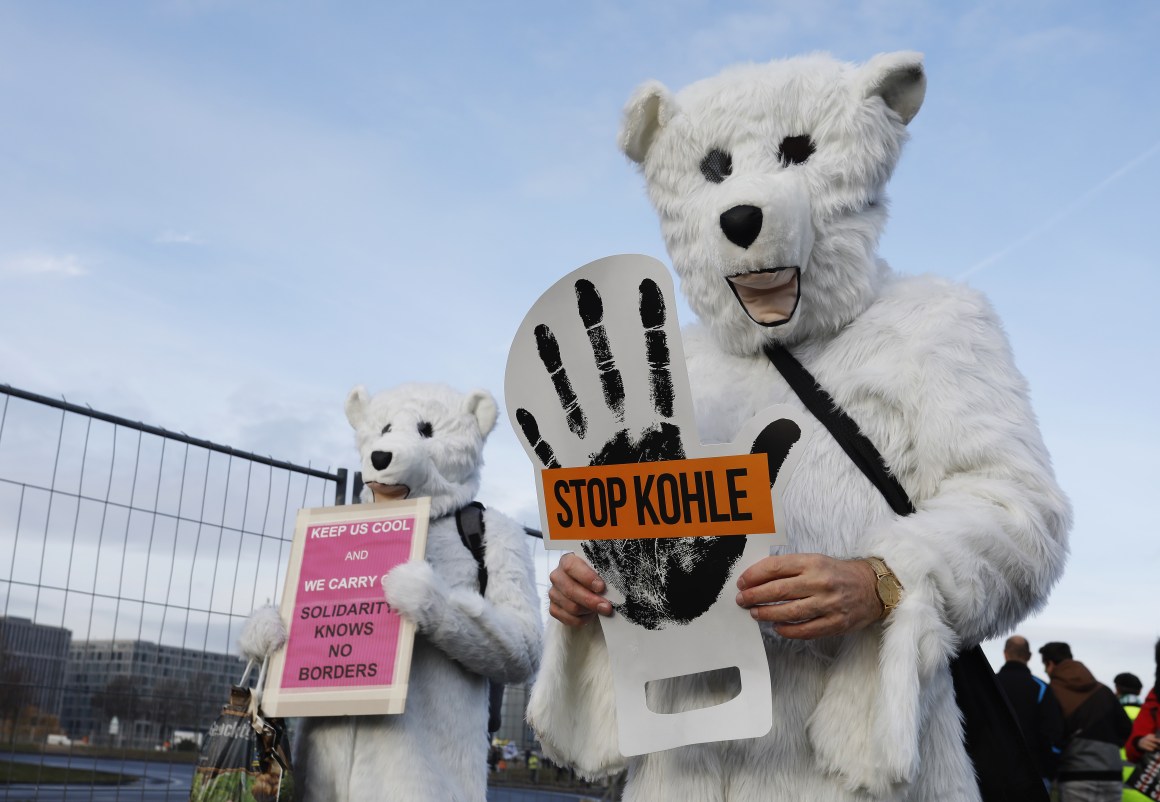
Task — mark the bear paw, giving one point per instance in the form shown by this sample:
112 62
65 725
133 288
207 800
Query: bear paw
414 590
263 634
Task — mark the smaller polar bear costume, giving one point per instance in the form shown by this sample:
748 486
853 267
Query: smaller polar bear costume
770 185
427 440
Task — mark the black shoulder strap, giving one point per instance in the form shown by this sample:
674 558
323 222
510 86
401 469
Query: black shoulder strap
998 752
859 448
469 522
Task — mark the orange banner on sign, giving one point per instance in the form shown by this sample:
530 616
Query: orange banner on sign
675 498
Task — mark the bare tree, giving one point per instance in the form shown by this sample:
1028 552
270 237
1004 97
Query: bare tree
13 691
122 697
206 696
171 706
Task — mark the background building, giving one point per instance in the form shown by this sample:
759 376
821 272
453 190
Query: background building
32 666
151 689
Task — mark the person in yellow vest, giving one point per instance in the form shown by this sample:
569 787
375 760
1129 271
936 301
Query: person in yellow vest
1128 687
534 767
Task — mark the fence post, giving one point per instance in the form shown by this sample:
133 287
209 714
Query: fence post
340 487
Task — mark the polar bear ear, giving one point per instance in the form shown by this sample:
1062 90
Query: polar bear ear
356 405
648 111
897 78
481 404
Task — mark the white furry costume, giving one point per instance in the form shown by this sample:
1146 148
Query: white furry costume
437 750
921 364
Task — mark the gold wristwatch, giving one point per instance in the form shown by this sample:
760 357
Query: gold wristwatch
888 588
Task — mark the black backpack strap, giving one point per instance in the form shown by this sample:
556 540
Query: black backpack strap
469 522
997 750
843 428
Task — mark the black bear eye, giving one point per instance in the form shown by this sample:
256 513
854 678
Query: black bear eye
795 150
386 429
717 166
425 429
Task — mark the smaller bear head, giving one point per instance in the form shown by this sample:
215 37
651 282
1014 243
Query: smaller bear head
769 180
422 440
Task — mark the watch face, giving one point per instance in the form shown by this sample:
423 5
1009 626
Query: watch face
889 591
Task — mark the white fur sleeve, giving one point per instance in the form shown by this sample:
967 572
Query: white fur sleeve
497 635
572 706
990 533
983 549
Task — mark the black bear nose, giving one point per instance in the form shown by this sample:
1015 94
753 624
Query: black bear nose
380 459
741 225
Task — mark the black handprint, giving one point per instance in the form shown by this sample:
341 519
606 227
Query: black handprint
664 581
675 580
592 313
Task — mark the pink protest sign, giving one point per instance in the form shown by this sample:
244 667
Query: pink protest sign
348 652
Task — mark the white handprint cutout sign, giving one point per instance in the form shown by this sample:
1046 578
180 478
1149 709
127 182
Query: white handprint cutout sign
596 378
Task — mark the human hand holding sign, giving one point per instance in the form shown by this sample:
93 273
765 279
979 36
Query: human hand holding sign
810 595
803 595
634 416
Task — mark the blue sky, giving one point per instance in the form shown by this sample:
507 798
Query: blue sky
219 215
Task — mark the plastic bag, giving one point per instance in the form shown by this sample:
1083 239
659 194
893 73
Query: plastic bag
246 756
1146 777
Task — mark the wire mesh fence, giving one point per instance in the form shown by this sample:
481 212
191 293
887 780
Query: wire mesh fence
130 557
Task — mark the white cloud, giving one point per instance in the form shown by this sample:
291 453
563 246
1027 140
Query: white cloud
43 264
1066 41
191 8
1077 203
171 237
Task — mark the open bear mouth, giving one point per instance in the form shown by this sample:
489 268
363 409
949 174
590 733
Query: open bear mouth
383 492
769 296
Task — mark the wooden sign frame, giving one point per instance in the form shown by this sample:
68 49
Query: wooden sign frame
343 636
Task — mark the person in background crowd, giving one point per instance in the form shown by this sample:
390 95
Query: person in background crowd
1144 738
1094 726
1035 706
1128 687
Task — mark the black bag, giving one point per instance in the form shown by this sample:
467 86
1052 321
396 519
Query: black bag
246 756
1146 776
469 522
1003 764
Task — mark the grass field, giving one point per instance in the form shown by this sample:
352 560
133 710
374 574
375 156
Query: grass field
16 773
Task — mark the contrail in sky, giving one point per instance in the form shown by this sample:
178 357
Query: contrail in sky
1067 210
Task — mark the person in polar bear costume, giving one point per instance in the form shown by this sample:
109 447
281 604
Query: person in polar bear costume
769 182
427 440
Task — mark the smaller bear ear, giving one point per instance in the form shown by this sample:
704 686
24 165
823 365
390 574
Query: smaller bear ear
648 111
897 78
481 404
356 404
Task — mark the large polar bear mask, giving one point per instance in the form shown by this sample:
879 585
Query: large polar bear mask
764 170
422 440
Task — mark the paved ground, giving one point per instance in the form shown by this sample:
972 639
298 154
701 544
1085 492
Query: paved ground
170 782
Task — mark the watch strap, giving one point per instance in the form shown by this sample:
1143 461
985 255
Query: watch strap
881 572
